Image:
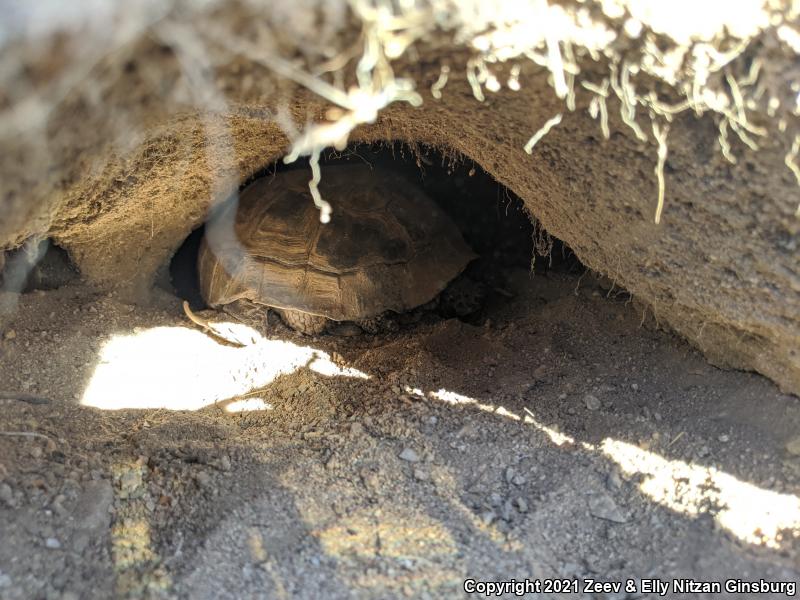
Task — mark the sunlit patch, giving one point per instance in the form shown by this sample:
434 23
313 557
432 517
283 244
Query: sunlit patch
416 547
398 536
414 391
455 398
558 438
137 564
322 364
180 368
452 397
752 514
247 404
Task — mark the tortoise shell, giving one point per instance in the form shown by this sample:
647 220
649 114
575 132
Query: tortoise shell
388 246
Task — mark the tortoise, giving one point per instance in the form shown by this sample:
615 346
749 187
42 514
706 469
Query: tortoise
387 248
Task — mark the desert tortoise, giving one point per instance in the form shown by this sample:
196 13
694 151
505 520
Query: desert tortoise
388 247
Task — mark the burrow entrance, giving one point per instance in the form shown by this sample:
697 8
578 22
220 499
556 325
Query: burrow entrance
39 264
493 221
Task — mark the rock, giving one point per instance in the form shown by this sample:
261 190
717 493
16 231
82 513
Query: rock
52 543
592 402
225 463
58 507
409 455
356 429
203 479
6 495
518 480
602 506
421 475
570 570
505 514
488 517
724 438
522 505
509 474
5 580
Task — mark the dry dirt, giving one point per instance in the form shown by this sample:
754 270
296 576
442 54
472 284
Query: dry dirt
565 436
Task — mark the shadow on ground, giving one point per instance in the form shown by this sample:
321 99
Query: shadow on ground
564 438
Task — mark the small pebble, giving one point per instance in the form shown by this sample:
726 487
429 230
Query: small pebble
52 543
724 438
6 494
591 402
506 512
203 479
10 334
522 505
356 429
510 473
409 455
421 475
602 506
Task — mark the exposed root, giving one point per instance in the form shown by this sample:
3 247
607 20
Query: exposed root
552 122
438 85
661 137
790 160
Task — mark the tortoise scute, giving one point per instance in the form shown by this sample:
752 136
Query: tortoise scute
387 247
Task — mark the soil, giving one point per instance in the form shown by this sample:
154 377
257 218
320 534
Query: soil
563 435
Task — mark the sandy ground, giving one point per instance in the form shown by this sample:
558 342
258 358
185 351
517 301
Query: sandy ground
564 437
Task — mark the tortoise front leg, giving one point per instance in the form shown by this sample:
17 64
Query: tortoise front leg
303 322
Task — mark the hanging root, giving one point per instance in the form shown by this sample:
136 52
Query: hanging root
542 132
661 137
